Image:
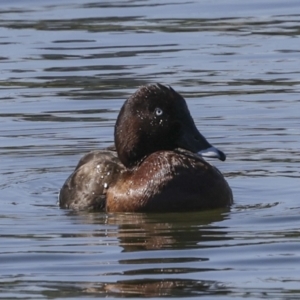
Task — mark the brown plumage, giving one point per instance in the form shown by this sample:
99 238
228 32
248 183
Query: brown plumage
154 167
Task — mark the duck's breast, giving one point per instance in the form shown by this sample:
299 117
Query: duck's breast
169 181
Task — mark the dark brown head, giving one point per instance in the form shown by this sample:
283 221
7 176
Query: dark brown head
156 118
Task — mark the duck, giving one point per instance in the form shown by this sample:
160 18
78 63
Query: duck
157 163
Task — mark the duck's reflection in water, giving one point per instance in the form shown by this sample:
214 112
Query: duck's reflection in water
157 256
139 231
158 288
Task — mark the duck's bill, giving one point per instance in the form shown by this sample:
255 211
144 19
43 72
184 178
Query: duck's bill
191 139
212 152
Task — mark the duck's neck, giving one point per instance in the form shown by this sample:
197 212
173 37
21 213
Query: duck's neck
129 144
130 151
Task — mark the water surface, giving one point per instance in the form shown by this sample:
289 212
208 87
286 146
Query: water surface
67 67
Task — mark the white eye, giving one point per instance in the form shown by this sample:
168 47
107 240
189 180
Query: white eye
158 111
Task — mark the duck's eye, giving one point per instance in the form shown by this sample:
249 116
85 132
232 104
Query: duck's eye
158 111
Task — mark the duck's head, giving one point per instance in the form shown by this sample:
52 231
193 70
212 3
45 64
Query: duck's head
157 118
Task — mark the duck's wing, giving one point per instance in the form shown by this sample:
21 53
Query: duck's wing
106 154
86 187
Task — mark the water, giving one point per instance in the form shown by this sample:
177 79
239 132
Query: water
66 68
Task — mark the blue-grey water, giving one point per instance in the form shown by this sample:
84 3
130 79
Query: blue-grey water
67 67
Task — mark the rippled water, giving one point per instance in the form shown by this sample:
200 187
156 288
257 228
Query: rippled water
66 68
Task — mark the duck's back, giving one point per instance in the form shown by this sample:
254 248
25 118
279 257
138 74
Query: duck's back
86 187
